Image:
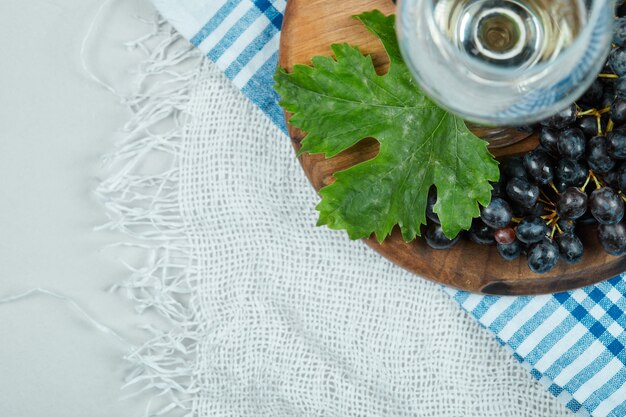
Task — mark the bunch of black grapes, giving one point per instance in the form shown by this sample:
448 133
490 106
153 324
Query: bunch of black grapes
576 176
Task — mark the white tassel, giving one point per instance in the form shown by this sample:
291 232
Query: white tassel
145 208
73 304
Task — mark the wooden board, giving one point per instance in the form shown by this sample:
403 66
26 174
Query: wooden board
309 28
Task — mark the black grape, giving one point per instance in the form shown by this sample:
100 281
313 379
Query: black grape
566 226
571 143
620 87
619 32
571 173
572 204
430 204
617 61
537 210
562 119
531 230
606 206
437 240
549 139
481 233
539 166
497 214
522 192
611 178
514 168
543 256
608 96
618 111
570 247
589 125
511 251
499 188
613 238
598 156
561 185
616 144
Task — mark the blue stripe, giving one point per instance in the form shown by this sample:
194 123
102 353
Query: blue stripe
588 372
535 374
532 324
618 381
270 12
555 390
484 305
570 356
461 296
620 286
261 92
251 50
573 405
605 392
234 33
551 339
508 314
214 22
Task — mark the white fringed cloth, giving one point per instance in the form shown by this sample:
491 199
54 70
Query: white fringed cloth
270 315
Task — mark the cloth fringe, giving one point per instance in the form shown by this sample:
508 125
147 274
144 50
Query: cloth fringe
143 204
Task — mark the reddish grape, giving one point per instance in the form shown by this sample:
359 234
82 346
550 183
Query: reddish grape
505 236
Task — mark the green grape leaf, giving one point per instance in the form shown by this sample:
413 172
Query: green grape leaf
342 100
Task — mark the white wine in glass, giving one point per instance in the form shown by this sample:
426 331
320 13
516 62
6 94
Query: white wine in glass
505 62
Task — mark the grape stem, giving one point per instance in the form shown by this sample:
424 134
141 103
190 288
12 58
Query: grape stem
613 76
553 230
550 219
595 179
558 228
549 203
546 197
597 113
609 126
590 112
599 121
516 220
554 188
591 176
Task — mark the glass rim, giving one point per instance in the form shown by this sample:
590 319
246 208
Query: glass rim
547 88
575 48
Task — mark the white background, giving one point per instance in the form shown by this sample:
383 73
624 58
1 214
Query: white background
55 126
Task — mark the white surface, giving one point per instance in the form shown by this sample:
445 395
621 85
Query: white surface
55 126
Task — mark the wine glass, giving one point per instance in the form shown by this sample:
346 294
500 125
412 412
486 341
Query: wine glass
505 62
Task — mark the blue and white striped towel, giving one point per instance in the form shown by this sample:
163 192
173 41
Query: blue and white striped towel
572 342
